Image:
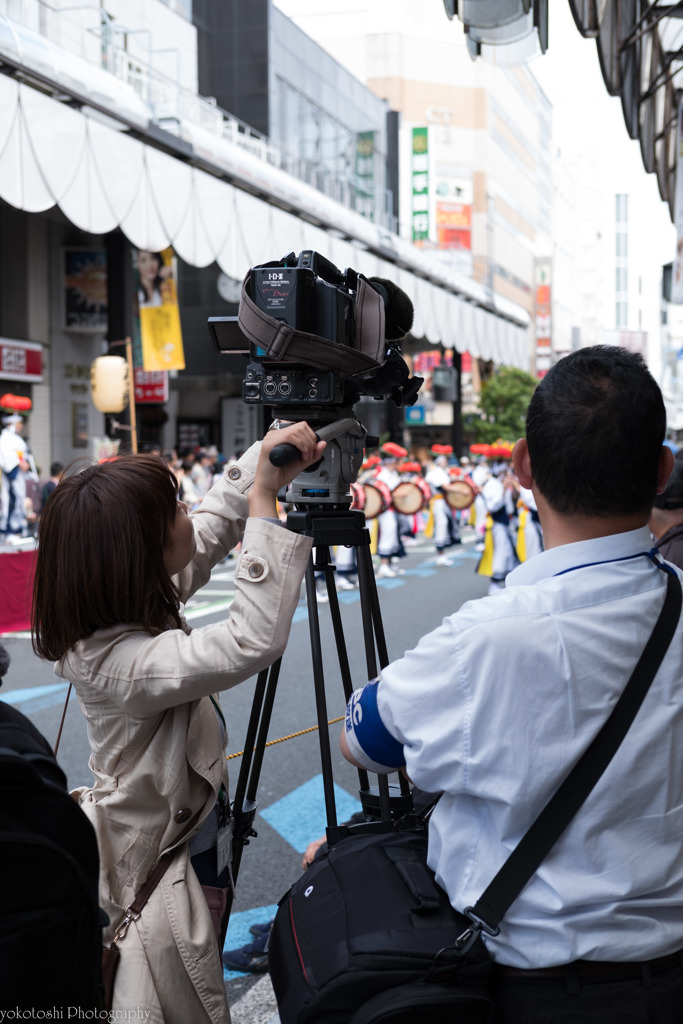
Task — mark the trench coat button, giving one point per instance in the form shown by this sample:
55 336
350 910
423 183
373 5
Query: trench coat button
234 473
255 570
182 815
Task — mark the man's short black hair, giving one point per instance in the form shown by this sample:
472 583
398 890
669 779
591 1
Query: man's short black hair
594 429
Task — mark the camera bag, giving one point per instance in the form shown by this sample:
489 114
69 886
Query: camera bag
367 917
367 936
50 919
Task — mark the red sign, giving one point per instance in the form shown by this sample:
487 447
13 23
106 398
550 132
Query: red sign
21 360
454 225
151 385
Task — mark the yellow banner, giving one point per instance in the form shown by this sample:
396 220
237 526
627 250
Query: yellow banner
160 331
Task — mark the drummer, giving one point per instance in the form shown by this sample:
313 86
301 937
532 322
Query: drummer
409 524
389 544
499 556
446 530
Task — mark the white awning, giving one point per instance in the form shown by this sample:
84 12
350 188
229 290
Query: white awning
103 178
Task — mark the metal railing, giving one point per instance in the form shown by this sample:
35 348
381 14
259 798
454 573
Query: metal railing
86 30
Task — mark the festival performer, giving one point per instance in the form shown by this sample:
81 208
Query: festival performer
480 473
389 541
499 556
529 529
13 464
410 524
442 526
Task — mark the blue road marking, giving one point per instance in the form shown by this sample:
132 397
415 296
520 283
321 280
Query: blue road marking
239 934
36 698
300 816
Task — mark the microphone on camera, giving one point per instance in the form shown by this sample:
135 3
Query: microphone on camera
398 309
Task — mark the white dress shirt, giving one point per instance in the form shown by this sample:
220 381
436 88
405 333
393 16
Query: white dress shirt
496 705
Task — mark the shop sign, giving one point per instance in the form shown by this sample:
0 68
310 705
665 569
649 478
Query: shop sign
415 414
419 171
150 386
21 360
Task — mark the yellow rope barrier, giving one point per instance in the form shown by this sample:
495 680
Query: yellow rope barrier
292 736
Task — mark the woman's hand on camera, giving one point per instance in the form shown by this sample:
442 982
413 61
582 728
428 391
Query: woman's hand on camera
269 479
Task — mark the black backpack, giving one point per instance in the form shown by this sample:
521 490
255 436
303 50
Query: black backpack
367 935
50 920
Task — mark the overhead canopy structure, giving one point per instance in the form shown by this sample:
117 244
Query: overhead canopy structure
85 144
503 32
640 47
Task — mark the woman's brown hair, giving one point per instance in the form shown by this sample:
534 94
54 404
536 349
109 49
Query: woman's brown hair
100 562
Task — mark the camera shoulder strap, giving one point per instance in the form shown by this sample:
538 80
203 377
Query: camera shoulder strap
282 342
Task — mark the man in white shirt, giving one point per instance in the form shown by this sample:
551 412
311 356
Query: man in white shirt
13 463
495 705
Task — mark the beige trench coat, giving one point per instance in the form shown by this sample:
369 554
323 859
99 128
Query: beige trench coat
157 752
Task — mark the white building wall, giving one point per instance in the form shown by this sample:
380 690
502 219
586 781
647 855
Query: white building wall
145 33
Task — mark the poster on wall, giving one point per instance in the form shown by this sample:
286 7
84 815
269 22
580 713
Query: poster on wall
85 290
157 335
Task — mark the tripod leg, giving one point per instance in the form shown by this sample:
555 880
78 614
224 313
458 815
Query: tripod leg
319 686
370 612
243 810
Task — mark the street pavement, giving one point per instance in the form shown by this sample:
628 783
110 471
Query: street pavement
290 792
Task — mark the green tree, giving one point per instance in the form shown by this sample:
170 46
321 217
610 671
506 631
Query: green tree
503 403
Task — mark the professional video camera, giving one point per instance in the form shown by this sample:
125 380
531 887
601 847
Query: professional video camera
318 339
318 336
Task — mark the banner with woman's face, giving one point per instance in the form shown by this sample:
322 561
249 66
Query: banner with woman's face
161 342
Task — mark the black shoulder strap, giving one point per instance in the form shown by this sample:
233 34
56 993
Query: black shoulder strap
561 808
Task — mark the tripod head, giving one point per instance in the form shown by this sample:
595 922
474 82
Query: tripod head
326 484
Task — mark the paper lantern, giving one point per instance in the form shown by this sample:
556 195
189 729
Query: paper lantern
109 384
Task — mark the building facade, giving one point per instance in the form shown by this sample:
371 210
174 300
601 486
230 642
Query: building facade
107 147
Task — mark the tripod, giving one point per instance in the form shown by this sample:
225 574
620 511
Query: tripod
327 528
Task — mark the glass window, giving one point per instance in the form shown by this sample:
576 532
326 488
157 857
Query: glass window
621 311
311 132
622 208
622 244
329 143
622 279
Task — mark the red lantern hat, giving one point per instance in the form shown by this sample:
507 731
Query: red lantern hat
442 449
410 467
15 403
390 450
